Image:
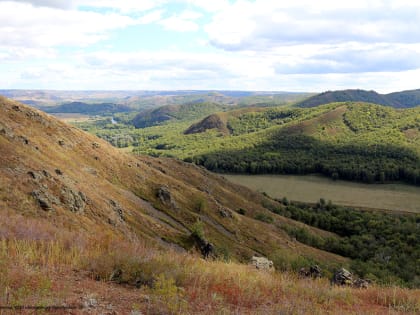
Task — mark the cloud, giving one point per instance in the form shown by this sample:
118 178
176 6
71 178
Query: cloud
352 58
183 22
49 27
264 24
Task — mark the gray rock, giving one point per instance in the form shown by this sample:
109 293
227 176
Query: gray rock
164 195
44 199
343 277
262 263
74 200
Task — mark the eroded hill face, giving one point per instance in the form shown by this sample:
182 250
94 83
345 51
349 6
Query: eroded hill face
61 176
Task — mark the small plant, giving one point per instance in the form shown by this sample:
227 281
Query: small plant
197 230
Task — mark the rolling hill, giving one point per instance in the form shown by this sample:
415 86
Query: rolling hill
183 112
404 99
75 210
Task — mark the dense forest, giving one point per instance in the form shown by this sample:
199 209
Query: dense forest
383 246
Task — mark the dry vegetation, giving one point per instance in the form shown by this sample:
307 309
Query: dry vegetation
58 271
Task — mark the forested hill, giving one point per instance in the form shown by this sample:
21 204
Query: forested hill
404 99
162 114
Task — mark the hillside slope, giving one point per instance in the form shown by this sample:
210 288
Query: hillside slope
52 171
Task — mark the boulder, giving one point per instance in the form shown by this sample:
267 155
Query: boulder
164 195
343 277
262 263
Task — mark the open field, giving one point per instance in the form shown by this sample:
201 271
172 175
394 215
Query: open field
311 188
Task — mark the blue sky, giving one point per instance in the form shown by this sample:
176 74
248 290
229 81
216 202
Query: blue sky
298 45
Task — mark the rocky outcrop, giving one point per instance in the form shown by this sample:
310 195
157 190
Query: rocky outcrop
262 263
345 277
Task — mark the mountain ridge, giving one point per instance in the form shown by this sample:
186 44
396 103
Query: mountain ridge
403 99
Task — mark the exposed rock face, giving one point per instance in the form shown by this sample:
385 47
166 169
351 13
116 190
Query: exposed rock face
262 263
343 277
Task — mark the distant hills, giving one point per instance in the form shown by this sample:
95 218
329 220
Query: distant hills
404 99
87 109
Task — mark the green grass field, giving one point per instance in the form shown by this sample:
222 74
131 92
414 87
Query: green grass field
311 188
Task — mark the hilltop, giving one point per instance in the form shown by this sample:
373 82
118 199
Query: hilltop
404 99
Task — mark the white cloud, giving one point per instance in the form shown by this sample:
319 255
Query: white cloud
183 22
48 27
263 24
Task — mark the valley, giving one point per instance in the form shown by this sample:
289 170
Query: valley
310 188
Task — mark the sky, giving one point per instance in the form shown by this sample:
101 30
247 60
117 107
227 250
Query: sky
264 45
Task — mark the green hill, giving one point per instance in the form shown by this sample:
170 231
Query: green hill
402 99
183 112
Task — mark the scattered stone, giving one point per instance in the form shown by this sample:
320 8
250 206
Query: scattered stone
16 108
313 272
90 303
116 275
164 195
74 200
118 210
61 142
95 145
225 213
343 277
46 174
43 199
58 172
361 283
262 263
35 175
24 139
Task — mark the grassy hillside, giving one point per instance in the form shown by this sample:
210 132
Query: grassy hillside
75 210
404 99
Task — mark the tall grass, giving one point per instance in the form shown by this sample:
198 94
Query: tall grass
180 283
